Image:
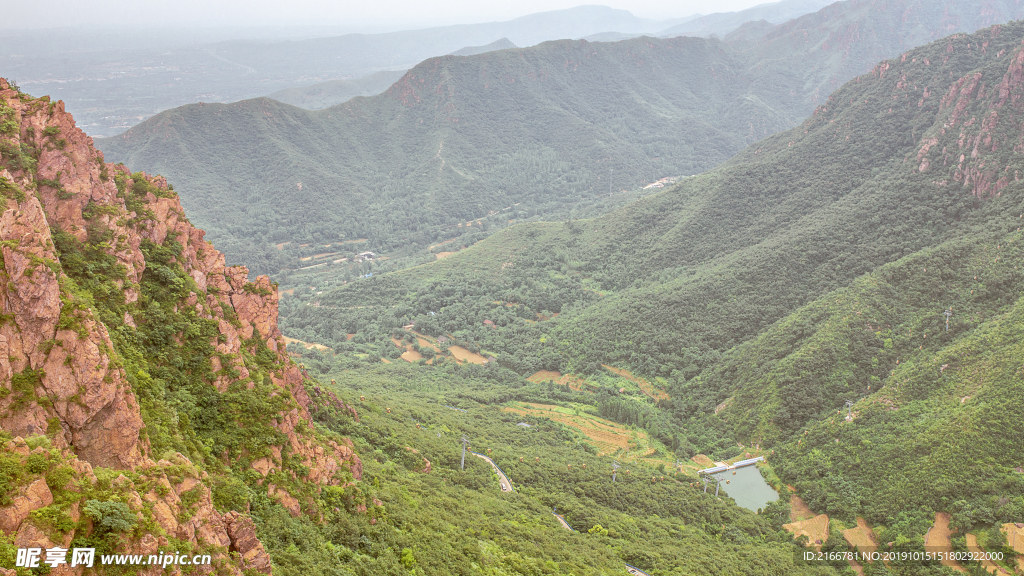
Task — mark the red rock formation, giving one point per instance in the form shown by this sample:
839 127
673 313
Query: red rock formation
194 521
59 372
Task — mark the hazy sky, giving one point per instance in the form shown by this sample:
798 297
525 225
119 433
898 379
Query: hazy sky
391 14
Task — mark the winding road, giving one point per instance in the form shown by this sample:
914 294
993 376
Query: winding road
506 486
631 569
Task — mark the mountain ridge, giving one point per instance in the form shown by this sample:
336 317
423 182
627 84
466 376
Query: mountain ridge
634 107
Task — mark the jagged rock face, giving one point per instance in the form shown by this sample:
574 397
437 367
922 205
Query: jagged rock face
88 396
172 493
62 374
978 134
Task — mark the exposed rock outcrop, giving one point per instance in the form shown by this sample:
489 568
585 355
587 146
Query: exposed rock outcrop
65 334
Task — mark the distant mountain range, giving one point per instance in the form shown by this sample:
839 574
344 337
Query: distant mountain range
513 133
114 80
327 94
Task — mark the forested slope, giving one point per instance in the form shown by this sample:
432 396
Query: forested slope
669 282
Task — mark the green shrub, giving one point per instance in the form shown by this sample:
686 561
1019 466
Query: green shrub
38 463
230 493
59 478
110 516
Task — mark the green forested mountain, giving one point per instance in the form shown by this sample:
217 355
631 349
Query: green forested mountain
512 134
812 269
647 285
455 140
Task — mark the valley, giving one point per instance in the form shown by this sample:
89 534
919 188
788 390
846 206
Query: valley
612 315
658 306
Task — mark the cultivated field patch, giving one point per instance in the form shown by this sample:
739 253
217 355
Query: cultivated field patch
573 382
307 345
411 356
608 437
992 567
703 461
463 355
644 385
816 529
1014 536
799 510
863 537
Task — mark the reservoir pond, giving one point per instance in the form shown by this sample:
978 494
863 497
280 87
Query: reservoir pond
747 487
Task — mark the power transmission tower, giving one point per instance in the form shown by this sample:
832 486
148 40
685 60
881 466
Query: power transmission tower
849 408
465 441
610 181
948 313
713 480
615 469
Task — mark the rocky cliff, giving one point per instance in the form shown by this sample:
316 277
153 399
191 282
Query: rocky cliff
127 345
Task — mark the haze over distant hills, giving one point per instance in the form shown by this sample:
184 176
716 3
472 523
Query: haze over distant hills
113 80
326 94
513 133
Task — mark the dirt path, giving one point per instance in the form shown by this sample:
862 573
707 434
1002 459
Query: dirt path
561 520
506 486
937 538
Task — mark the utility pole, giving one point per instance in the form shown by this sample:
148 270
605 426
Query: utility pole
610 181
948 313
849 408
465 441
